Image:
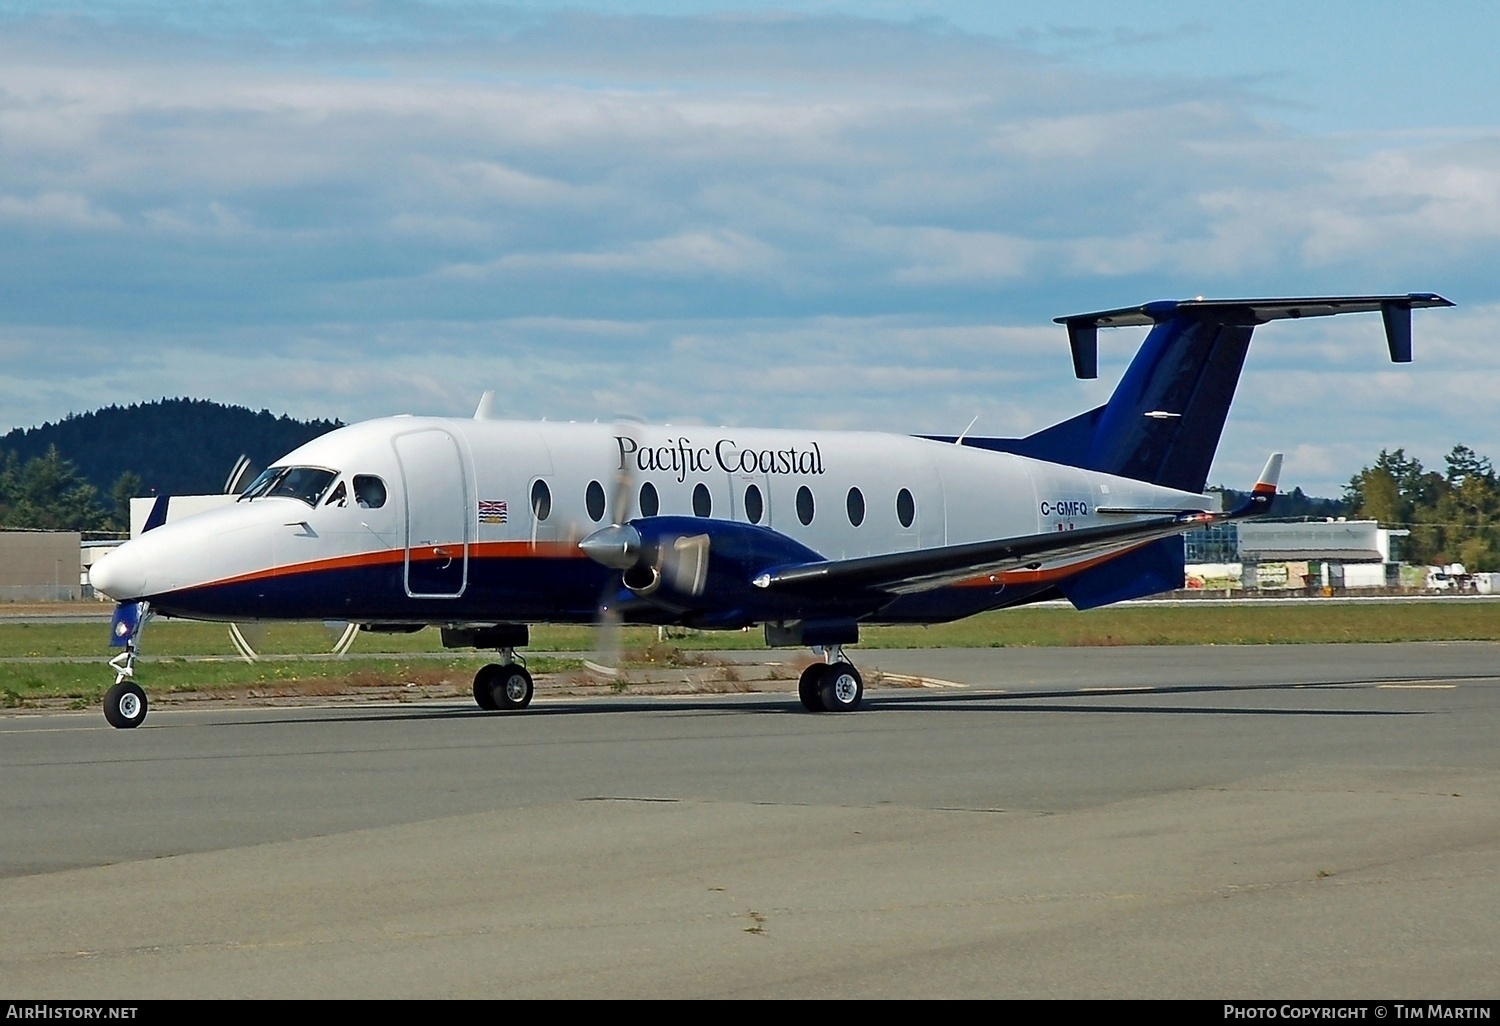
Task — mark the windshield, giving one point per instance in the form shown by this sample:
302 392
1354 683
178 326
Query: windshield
305 483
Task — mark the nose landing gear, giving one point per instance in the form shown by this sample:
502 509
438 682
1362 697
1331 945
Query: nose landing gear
124 701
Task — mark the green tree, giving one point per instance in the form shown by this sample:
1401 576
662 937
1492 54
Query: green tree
1452 517
48 494
10 483
127 486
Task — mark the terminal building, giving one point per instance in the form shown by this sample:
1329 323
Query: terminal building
1303 556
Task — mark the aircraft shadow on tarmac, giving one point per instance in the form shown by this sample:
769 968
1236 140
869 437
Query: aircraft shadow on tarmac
1096 699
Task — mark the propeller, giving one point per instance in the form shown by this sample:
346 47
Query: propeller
608 615
645 565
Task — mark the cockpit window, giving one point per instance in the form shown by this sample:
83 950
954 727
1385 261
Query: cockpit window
369 491
340 496
305 483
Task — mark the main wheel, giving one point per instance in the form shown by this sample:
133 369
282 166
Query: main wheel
809 686
512 688
841 688
484 684
125 705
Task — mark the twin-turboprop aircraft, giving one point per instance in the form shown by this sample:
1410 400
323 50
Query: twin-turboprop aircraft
482 526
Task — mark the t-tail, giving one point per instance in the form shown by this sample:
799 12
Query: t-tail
1165 418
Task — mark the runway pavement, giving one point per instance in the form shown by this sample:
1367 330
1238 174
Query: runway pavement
1298 821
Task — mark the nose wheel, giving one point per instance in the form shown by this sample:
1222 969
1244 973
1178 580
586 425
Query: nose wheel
833 686
125 705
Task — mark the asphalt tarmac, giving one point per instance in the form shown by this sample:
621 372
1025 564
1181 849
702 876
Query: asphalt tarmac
1221 822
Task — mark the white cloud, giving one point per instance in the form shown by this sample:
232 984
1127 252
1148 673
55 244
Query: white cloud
748 219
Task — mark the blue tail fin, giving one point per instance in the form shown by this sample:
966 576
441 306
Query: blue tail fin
1164 420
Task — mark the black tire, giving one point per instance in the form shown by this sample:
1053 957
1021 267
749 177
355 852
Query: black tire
809 687
512 688
125 705
841 688
484 683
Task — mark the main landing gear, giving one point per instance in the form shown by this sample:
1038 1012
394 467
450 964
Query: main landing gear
833 685
504 686
498 687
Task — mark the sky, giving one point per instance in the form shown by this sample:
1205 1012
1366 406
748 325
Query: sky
820 214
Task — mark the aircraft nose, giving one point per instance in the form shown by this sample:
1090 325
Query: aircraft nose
120 575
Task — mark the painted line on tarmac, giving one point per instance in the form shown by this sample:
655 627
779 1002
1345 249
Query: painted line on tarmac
924 682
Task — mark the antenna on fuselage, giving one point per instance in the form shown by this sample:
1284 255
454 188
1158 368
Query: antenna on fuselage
486 409
961 435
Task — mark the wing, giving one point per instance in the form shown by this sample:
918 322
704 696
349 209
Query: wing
901 573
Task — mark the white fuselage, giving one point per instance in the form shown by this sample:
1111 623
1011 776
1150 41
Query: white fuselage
465 494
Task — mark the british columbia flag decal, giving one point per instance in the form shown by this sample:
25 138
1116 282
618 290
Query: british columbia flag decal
492 511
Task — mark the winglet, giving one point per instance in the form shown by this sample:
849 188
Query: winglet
1270 476
1264 493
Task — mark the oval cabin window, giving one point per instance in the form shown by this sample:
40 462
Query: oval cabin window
856 504
755 505
593 501
906 508
650 501
805 505
703 503
541 500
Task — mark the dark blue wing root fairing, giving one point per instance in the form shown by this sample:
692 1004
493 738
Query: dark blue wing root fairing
1148 570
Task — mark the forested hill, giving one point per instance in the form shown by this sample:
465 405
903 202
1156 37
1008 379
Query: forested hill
176 446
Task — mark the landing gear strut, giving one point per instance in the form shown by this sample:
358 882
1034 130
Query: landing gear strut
124 701
833 685
498 687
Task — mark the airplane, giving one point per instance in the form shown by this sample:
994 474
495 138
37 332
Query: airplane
482 526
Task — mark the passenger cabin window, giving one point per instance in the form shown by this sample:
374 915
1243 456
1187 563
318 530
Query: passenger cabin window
369 491
856 506
703 503
305 483
906 508
805 505
593 501
541 500
755 505
650 501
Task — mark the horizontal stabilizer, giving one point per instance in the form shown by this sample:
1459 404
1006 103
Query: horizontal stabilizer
1083 329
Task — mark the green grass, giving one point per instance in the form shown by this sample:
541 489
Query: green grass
169 644
21 683
1202 623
